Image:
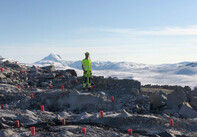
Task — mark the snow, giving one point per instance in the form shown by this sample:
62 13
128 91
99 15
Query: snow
50 59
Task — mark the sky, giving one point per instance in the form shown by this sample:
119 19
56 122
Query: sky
142 31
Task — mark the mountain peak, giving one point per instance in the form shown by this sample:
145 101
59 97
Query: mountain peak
52 57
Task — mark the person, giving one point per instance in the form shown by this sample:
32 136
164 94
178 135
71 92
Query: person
87 71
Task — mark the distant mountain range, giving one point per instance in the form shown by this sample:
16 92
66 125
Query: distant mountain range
108 65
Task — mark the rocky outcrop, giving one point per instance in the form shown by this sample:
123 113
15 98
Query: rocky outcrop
158 99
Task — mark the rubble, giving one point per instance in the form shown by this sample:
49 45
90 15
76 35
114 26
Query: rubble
130 109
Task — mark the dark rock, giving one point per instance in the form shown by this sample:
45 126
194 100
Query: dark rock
158 99
176 98
193 93
187 111
50 76
166 134
10 75
48 69
33 69
45 84
116 84
194 102
72 72
11 65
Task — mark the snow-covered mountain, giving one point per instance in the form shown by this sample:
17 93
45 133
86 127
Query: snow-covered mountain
183 73
53 59
109 65
193 64
96 65
50 59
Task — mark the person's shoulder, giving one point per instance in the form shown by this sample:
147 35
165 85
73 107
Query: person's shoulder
83 60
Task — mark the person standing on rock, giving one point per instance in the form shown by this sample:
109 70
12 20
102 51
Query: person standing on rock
87 71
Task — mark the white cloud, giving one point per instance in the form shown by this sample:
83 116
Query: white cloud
190 30
114 44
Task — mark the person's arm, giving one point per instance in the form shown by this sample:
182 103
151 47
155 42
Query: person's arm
82 67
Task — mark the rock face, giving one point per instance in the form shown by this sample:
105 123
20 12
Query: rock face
187 111
194 93
116 84
194 102
176 98
158 99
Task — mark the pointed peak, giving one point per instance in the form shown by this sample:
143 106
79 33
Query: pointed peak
52 57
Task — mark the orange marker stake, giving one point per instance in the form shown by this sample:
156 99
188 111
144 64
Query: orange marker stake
17 123
91 87
171 122
84 130
42 108
1 69
32 95
112 98
101 113
51 86
76 81
63 122
129 131
32 131
62 87
1 106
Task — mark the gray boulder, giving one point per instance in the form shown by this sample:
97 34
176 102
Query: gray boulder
33 69
158 99
45 84
176 98
187 111
2 76
72 72
194 102
50 76
11 65
194 93
48 69
10 74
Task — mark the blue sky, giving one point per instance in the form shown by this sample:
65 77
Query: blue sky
144 31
